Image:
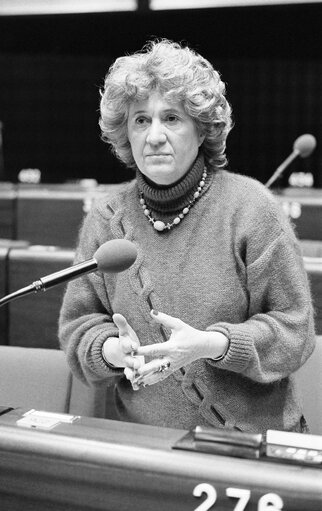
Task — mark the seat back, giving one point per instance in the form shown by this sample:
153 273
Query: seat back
3 291
40 378
33 319
5 246
313 266
309 378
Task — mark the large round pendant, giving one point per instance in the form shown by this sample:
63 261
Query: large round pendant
159 226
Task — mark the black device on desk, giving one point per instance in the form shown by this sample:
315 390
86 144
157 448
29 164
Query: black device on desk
64 462
274 446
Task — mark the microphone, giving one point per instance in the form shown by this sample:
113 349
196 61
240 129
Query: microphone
303 146
112 257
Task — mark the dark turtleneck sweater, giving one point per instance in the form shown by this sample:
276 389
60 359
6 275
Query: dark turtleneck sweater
168 201
232 265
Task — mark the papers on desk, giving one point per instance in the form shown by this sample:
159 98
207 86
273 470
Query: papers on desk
44 420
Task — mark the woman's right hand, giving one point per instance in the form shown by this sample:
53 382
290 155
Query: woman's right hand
118 351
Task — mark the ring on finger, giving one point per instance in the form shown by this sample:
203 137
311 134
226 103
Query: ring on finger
164 367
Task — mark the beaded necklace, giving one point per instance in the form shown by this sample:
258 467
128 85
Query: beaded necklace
161 226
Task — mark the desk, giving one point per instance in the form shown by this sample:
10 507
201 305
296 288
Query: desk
50 214
53 214
46 214
7 211
96 464
51 217
304 207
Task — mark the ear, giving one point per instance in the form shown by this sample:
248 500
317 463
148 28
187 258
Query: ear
201 138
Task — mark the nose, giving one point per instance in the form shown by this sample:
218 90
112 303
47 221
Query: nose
156 134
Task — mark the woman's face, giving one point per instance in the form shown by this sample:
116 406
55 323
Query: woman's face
163 137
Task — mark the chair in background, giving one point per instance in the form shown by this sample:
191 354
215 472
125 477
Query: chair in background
5 246
39 378
313 266
309 378
32 321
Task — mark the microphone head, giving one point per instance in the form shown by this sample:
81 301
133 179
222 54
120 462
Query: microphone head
115 256
304 145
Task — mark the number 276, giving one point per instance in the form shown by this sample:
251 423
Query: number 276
268 502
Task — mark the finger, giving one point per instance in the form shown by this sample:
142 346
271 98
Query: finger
133 362
128 346
166 320
153 350
125 330
150 367
121 324
156 369
129 373
153 378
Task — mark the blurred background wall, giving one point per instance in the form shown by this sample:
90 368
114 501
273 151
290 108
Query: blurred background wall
52 67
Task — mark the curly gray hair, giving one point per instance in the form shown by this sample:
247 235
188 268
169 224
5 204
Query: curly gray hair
179 74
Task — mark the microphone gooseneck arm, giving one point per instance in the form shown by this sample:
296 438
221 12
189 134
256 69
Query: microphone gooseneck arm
17 294
112 257
67 274
49 281
303 146
282 167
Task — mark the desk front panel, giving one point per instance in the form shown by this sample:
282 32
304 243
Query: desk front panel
50 220
7 211
304 208
53 214
95 464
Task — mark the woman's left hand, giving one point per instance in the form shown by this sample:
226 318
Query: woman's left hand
185 345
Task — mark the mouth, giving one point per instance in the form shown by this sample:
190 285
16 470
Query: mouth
158 155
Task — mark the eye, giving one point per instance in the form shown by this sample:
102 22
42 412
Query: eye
172 118
141 121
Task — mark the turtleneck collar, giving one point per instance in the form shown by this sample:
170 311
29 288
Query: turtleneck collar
170 199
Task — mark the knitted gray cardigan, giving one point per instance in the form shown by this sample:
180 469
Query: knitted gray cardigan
233 265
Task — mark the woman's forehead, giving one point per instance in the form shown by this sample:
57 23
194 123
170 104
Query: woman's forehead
155 100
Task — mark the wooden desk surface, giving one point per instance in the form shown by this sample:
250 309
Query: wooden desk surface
108 465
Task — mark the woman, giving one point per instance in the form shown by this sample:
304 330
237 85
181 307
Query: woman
209 324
